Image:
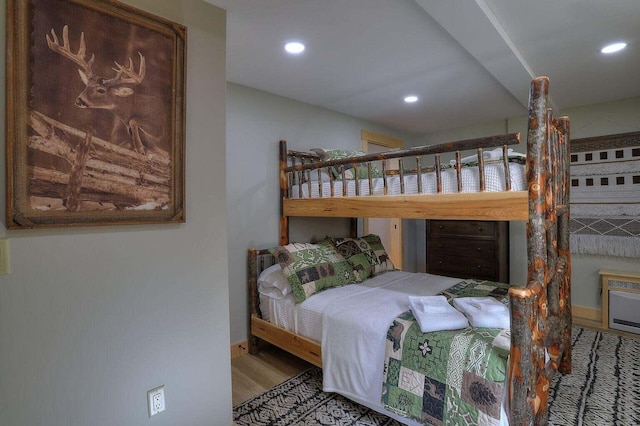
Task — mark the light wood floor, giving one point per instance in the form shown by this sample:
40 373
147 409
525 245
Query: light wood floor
252 375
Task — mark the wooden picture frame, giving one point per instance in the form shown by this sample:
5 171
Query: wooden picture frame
95 115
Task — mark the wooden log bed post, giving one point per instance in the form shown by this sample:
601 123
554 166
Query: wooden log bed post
541 312
526 323
564 250
284 192
254 307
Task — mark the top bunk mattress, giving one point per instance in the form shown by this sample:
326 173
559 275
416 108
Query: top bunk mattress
494 180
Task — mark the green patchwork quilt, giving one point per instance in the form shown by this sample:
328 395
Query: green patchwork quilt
447 377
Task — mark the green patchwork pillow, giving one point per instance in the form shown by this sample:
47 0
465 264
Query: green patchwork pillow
366 255
363 172
336 154
311 268
350 171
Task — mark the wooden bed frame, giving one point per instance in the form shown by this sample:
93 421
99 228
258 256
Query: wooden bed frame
540 311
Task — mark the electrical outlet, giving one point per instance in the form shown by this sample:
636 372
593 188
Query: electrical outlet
155 399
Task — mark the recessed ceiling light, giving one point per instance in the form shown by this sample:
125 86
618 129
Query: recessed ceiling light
411 99
294 47
612 48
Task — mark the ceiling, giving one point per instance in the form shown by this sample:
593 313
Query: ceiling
468 61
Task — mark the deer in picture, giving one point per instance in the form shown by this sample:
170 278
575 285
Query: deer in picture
142 115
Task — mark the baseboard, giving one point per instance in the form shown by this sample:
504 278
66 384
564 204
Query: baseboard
239 349
590 314
587 317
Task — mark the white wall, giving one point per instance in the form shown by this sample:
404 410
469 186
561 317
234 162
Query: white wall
593 120
91 318
256 121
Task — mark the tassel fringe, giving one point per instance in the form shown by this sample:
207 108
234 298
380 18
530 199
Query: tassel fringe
605 245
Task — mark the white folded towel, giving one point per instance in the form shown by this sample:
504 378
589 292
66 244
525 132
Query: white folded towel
434 313
483 312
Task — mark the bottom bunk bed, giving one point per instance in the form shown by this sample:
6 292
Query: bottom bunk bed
371 345
407 379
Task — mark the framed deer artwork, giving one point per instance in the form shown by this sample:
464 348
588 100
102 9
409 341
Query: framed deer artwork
95 115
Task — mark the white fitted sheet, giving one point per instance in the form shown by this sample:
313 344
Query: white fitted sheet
305 318
493 178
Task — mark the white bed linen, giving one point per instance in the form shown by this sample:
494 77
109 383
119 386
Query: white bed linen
304 318
493 178
353 357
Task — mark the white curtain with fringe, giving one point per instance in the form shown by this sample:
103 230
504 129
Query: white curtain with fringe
605 245
605 200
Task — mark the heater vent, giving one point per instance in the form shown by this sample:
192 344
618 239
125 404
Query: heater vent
624 311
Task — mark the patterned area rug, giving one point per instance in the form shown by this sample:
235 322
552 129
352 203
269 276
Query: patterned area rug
604 389
604 386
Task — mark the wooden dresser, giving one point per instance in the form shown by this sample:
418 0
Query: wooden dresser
468 249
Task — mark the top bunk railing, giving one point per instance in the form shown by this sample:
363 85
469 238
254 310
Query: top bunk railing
298 168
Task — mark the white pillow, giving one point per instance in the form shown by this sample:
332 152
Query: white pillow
273 282
313 176
495 154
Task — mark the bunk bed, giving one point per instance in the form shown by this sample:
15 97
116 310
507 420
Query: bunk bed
540 310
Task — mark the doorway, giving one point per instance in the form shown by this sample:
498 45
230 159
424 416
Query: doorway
389 230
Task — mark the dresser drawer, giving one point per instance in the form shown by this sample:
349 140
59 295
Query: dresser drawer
461 247
458 228
484 269
468 249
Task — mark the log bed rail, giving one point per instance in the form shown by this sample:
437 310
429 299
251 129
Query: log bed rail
310 161
540 310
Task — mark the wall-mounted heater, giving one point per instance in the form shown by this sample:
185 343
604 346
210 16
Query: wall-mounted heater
624 311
